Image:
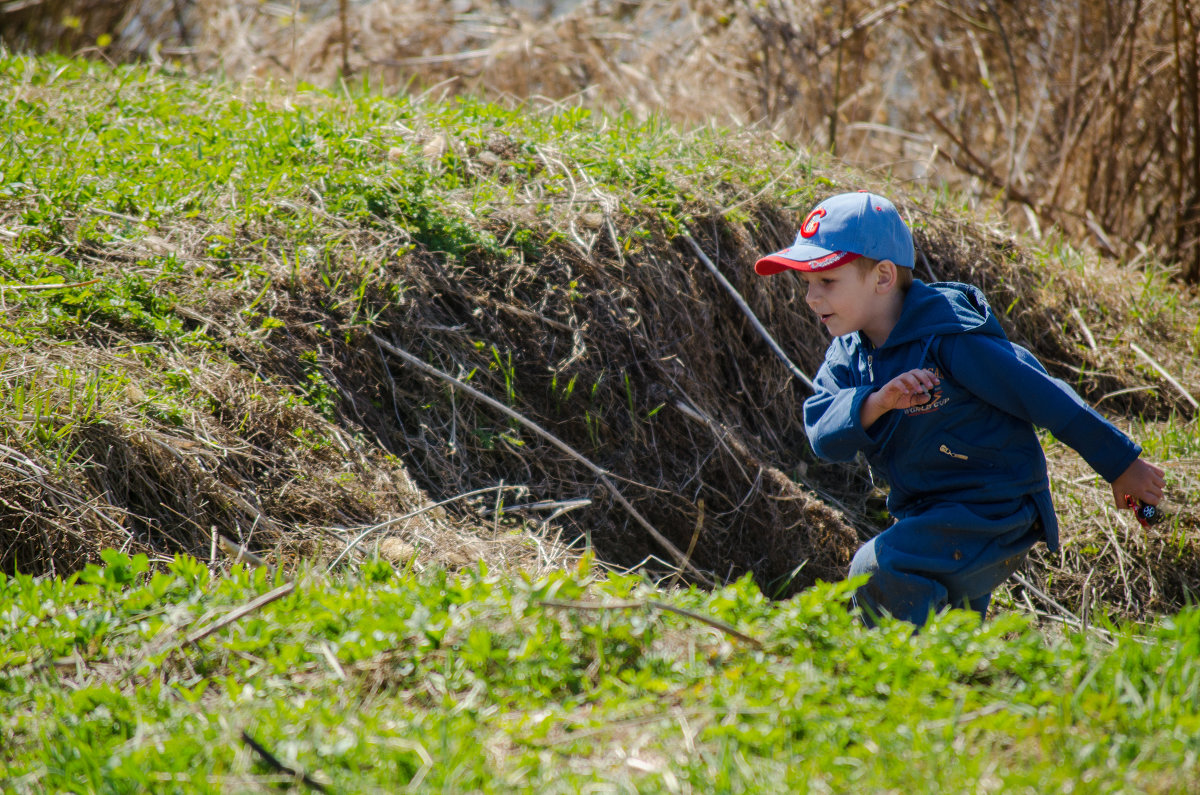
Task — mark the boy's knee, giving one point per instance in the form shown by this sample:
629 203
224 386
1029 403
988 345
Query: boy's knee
867 598
865 560
891 590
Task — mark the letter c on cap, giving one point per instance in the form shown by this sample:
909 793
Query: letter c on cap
812 223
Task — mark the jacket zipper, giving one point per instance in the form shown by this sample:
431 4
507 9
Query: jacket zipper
952 454
871 368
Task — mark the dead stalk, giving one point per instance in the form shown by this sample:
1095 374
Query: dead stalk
749 313
602 474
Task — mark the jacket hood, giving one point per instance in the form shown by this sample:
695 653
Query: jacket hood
943 308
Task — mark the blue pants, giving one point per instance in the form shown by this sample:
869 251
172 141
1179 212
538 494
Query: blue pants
948 556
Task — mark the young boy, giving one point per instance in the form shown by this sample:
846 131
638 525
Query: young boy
922 379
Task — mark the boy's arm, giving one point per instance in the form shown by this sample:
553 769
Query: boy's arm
1011 378
833 414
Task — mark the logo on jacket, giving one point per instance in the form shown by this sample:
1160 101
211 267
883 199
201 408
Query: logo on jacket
937 398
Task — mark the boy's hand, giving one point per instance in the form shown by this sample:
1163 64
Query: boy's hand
907 390
904 391
1140 480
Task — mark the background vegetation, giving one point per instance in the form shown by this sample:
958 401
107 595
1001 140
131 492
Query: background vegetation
211 291
1084 117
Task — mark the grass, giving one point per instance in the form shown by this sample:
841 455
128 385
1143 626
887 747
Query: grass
172 217
102 165
386 679
190 229
119 153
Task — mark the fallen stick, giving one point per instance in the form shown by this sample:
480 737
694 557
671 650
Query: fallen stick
603 474
1066 617
244 610
1087 332
237 551
695 536
34 287
278 766
749 313
653 603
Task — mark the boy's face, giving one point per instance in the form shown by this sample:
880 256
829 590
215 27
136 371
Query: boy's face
845 298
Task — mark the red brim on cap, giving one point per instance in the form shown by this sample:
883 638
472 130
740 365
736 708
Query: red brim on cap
777 263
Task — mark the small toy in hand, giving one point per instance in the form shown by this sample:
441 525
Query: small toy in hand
1146 514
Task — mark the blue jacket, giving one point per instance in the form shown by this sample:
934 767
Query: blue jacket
973 442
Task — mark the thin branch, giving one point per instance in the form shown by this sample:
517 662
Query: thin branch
978 168
36 287
657 605
1066 616
748 312
549 505
603 474
695 535
32 287
278 766
453 57
870 20
1170 379
1016 88
237 551
244 610
1087 332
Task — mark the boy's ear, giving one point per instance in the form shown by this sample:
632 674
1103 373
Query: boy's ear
885 275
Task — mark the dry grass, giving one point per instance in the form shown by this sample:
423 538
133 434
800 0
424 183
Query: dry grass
256 467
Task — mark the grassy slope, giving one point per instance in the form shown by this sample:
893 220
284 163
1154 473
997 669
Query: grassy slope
190 203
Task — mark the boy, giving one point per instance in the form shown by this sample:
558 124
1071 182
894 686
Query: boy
922 379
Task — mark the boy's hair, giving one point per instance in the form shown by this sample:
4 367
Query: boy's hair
904 276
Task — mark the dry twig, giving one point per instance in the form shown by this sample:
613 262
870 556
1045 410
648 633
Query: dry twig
241 612
1170 379
749 313
278 766
600 473
657 605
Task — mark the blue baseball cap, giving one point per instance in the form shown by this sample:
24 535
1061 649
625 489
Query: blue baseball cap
841 229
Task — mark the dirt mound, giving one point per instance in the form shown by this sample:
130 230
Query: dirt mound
644 363
639 361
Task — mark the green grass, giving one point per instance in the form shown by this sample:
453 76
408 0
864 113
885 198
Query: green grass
385 679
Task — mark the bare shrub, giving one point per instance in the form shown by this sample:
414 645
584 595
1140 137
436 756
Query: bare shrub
118 28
